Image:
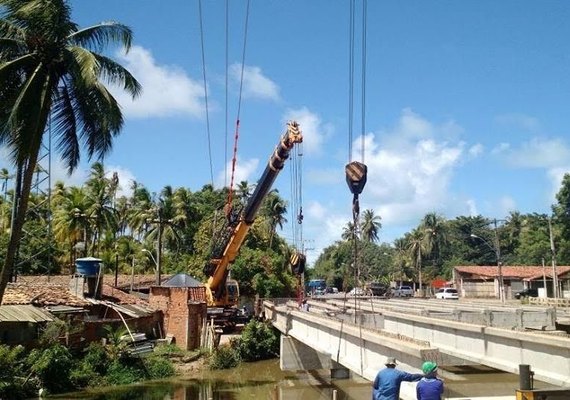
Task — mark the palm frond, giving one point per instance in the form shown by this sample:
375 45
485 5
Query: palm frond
98 36
65 126
114 73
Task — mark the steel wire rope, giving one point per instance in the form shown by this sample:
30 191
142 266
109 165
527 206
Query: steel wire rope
363 141
214 222
236 137
205 93
226 120
363 78
350 77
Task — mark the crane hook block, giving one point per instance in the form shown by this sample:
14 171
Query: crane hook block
356 176
298 262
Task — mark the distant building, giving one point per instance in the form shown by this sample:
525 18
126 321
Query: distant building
483 281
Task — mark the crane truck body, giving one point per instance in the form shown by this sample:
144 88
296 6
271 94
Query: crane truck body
222 294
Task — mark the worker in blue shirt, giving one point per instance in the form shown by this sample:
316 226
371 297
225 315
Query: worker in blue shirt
387 383
430 387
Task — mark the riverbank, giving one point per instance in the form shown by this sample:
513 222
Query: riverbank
194 364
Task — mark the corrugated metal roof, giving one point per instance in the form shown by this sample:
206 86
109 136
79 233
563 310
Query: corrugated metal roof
24 313
182 280
132 310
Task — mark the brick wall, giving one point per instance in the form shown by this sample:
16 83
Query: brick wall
184 310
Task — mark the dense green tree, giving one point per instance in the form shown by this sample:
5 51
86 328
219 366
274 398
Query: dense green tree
49 72
370 226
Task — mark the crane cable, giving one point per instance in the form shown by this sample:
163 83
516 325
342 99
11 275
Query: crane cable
296 169
206 93
236 137
356 172
298 258
226 98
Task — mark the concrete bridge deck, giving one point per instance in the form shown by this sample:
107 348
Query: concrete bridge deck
412 337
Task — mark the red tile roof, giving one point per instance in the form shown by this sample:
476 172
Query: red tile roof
512 271
123 280
41 295
37 291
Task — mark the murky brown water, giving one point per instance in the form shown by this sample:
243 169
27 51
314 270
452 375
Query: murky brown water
261 380
265 381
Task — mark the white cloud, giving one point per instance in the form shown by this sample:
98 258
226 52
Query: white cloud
540 153
327 228
126 179
314 130
476 150
520 121
60 173
472 206
506 205
555 176
255 83
409 170
501 148
167 90
330 176
243 171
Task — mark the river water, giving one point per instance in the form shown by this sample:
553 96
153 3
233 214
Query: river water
261 380
265 381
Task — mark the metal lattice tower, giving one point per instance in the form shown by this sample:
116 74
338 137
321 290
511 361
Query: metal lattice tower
39 209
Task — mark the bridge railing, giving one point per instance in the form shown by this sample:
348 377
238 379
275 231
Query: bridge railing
550 302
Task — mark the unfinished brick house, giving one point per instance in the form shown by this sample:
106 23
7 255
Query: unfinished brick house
182 300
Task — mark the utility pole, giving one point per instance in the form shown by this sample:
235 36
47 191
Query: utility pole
160 222
499 263
553 251
544 278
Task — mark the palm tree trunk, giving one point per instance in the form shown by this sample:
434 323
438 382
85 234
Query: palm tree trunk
18 220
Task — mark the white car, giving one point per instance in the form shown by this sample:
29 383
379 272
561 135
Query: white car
356 292
447 293
403 291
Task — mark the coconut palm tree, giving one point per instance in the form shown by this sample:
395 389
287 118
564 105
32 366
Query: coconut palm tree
275 209
50 71
370 226
348 231
69 224
5 176
435 235
100 213
417 247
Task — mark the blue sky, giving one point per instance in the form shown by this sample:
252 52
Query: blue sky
466 102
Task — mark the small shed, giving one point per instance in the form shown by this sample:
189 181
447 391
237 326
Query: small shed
22 324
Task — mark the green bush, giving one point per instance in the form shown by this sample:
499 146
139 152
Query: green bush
96 358
13 374
259 341
224 357
158 367
52 367
91 370
124 373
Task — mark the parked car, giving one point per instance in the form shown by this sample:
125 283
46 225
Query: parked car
356 292
447 293
526 293
320 292
403 291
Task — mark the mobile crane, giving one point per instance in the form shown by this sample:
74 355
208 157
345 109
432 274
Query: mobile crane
222 294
